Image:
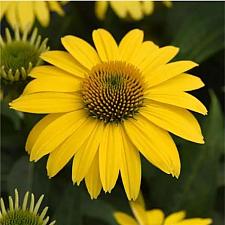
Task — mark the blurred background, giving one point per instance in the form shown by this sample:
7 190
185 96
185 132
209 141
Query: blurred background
197 28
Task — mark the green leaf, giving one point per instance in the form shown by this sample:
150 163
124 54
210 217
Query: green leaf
198 29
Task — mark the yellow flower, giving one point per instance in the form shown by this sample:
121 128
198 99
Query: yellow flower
155 216
107 105
22 13
136 10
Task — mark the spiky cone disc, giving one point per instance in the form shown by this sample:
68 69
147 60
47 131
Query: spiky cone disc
20 53
25 214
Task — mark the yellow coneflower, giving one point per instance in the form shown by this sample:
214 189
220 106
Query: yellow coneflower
107 105
155 216
135 10
22 13
24 214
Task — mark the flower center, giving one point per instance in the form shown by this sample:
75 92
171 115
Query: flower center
20 217
18 54
113 91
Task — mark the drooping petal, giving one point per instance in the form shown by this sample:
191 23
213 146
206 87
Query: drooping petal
42 12
92 179
38 128
105 45
155 217
84 157
11 15
101 9
168 71
110 156
133 38
119 8
182 82
148 7
175 218
134 10
155 144
124 219
25 14
3 6
47 102
178 98
174 119
84 53
130 168
64 61
56 133
55 6
62 154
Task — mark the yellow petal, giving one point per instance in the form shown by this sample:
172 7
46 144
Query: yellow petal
135 10
38 128
168 71
174 119
42 12
109 156
155 144
130 168
92 179
180 99
139 212
148 7
155 217
56 133
124 219
133 38
175 218
47 102
64 61
105 45
84 157
11 15
56 84
3 6
62 154
159 57
101 9
84 53
167 3
196 221
25 14
182 82
55 6
119 8
50 72
147 48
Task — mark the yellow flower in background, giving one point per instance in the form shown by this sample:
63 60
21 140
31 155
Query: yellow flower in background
22 14
155 216
106 105
135 10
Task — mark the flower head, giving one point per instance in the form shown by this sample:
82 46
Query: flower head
22 13
135 10
107 105
26 213
155 216
19 54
